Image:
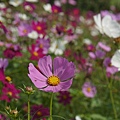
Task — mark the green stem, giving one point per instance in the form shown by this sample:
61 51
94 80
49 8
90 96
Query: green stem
112 101
51 106
28 107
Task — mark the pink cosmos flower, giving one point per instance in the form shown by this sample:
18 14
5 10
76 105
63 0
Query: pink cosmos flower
43 44
12 51
3 27
24 29
3 65
89 90
39 111
39 27
52 77
9 92
64 97
56 9
36 52
30 7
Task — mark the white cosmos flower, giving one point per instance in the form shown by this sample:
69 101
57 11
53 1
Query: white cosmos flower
33 35
47 7
115 60
78 118
57 47
32 0
107 26
15 3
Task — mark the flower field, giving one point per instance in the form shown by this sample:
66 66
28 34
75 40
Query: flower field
59 60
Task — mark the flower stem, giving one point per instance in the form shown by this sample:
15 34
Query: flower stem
112 101
51 106
28 107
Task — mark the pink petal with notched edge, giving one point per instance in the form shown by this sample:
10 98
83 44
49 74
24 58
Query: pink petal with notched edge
35 73
45 65
38 83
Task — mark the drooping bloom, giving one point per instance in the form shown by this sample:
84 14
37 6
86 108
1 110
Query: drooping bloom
58 80
39 111
107 26
89 90
64 97
115 60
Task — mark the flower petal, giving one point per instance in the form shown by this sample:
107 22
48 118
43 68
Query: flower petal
59 65
35 74
45 65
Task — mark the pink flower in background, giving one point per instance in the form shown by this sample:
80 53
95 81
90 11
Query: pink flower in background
3 65
30 7
3 27
64 97
36 53
52 76
11 51
110 70
56 9
24 29
89 90
44 44
39 27
9 92
39 112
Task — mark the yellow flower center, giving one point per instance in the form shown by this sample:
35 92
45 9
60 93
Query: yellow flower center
53 80
89 89
39 113
7 78
55 11
64 96
41 46
24 31
39 28
9 93
35 53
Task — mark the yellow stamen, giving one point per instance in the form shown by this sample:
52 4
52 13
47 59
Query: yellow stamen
9 93
39 113
25 31
64 96
7 78
41 46
55 11
39 28
35 53
53 80
89 89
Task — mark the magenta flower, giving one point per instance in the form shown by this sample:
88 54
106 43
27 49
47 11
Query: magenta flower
39 27
12 51
64 97
30 7
9 92
58 80
39 111
56 9
36 53
3 27
89 90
